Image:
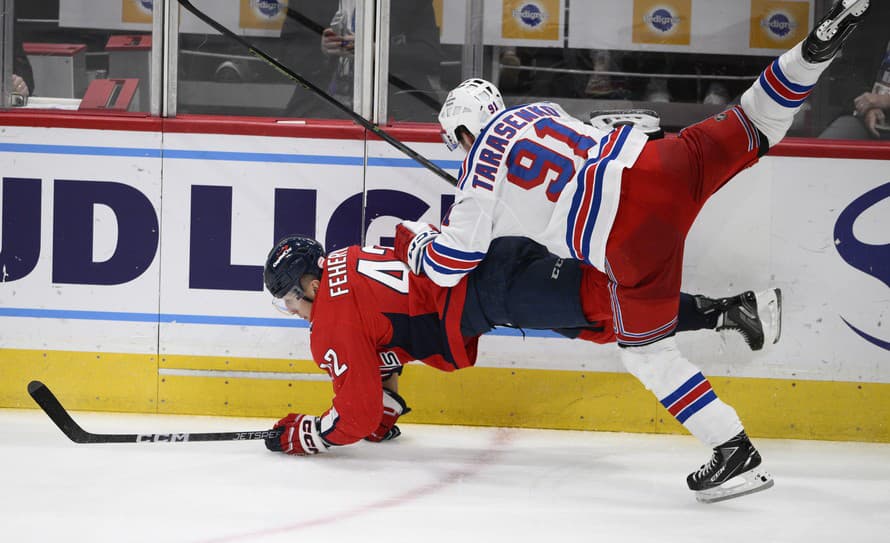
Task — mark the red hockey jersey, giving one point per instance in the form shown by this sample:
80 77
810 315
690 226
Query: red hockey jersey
370 317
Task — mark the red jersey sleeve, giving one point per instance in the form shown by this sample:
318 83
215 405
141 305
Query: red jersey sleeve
349 357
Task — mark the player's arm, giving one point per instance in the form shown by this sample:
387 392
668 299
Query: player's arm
391 383
394 406
350 359
448 255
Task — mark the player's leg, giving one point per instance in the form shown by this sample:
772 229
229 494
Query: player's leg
520 284
649 352
710 153
782 88
734 468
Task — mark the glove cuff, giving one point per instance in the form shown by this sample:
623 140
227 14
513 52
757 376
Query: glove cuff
416 250
395 403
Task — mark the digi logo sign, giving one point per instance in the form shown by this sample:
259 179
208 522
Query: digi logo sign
138 230
73 223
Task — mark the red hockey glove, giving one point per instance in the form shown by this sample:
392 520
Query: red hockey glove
411 238
393 407
300 436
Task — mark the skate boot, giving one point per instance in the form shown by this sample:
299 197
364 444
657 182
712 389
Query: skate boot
756 316
831 32
733 471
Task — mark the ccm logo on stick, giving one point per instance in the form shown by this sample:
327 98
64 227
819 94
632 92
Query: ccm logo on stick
157 438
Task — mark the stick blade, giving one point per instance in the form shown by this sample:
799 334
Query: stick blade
47 401
54 409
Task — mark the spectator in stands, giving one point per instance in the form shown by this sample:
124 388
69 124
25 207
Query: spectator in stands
22 76
861 113
868 121
415 55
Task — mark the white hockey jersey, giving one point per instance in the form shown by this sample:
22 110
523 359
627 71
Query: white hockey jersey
535 171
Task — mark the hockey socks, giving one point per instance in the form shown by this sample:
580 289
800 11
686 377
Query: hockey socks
782 88
683 391
780 91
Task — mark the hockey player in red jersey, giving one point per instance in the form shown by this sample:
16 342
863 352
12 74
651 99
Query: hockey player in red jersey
369 316
623 204
364 327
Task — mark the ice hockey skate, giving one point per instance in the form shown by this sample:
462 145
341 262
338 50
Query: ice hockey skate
756 316
733 471
829 35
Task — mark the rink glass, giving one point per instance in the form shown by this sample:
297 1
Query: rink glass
592 55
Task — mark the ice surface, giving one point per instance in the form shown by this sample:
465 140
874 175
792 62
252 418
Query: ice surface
433 484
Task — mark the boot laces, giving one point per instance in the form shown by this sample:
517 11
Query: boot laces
703 471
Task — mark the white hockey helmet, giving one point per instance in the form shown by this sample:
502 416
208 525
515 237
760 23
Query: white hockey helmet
471 104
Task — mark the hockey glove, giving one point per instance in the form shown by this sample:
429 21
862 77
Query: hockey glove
645 119
393 407
411 239
300 436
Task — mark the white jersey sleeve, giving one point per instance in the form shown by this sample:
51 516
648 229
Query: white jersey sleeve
463 242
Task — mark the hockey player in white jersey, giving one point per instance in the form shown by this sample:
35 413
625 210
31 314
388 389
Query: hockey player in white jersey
623 203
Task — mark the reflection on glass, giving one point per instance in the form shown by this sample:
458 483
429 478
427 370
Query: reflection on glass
318 42
598 54
858 105
601 54
315 39
83 55
415 61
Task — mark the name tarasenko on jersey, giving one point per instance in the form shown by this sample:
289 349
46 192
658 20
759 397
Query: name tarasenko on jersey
492 150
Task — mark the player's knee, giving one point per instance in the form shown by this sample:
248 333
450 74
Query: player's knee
771 125
652 364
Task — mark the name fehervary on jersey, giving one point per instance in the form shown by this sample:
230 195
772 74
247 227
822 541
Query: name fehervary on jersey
335 264
492 151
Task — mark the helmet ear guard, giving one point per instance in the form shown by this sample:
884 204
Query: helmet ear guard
450 139
291 259
471 105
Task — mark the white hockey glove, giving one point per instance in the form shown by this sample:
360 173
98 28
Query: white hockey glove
412 237
646 120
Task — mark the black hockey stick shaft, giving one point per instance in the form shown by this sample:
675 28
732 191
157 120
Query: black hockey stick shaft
272 61
52 407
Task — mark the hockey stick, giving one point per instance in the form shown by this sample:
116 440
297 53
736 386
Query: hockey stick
51 406
272 61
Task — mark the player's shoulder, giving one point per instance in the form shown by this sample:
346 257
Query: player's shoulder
370 270
350 257
375 252
525 118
